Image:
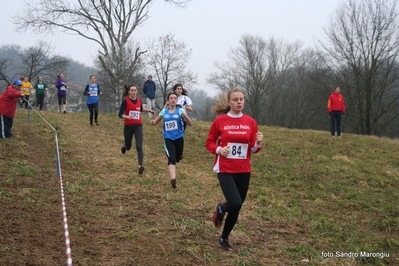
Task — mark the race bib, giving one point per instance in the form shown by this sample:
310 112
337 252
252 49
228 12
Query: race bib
171 125
237 150
135 115
93 93
63 88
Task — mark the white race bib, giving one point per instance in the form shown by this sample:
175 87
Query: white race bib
171 125
93 93
135 115
237 150
63 88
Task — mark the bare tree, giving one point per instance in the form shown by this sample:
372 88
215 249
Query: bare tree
38 60
202 105
108 23
363 49
168 59
258 67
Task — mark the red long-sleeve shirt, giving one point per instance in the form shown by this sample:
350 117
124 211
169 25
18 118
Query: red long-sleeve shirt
239 133
8 101
336 102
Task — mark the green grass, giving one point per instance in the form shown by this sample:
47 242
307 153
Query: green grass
308 194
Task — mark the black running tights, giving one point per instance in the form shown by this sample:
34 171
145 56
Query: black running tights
234 187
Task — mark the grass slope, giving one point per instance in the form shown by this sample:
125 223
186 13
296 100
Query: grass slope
312 200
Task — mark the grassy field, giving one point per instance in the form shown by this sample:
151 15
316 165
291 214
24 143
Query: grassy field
312 200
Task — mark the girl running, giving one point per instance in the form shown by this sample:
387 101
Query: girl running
61 92
92 91
130 111
233 137
173 132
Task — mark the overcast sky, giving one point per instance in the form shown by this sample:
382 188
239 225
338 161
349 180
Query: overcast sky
209 27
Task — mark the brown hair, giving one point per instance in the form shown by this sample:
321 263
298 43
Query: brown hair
126 90
221 106
184 91
171 93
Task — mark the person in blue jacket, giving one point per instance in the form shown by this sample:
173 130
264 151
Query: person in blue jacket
149 89
92 91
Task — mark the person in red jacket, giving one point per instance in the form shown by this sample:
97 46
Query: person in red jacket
8 105
336 108
233 137
130 112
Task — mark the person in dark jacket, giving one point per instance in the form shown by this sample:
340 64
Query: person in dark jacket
8 105
336 108
149 89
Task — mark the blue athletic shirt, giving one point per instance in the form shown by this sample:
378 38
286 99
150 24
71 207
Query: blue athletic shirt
172 123
93 97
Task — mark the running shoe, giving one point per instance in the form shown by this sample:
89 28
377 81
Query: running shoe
64 112
141 170
97 124
173 183
225 244
123 149
218 216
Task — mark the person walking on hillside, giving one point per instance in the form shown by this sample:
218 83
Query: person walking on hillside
40 88
233 137
61 92
92 91
336 108
149 89
26 87
130 111
8 105
173 133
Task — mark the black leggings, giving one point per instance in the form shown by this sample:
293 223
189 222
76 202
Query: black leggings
39 100
137 131
234 187
61 99
93 108
25 103
174 150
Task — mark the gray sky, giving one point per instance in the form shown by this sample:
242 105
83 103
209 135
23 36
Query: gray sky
209 27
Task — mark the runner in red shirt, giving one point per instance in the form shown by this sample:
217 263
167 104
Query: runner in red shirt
130 112
233 137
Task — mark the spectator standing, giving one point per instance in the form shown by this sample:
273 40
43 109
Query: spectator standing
149 89
8 105
336 108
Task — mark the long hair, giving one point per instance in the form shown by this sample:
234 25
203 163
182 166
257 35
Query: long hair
184 91
221 106
126 90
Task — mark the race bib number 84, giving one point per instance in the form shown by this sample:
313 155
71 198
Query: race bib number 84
237 150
